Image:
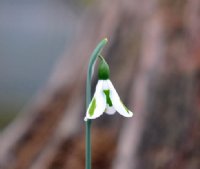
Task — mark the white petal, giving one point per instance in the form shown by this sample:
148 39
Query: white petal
117 103
100 105
99 87
105 84
110 110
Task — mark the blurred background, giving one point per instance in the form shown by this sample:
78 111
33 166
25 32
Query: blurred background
154 55
33 36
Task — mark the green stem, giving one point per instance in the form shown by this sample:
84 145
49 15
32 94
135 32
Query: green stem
88 123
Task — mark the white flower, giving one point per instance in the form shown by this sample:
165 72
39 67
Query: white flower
106 100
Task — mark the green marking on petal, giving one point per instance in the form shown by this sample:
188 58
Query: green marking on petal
108 100
92 107
124 106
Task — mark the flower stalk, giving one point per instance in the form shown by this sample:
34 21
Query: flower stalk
105 99
88 123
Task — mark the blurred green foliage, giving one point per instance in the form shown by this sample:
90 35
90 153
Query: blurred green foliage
8 113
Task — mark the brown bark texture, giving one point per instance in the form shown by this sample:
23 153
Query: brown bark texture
154 57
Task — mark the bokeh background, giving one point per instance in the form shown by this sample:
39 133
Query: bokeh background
33 36
154 55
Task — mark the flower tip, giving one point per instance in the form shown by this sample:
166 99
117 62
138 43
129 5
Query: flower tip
131 114
85 119
106 39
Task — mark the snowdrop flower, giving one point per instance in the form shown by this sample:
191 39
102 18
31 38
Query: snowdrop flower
105 98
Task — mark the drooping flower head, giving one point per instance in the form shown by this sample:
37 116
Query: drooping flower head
105 98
